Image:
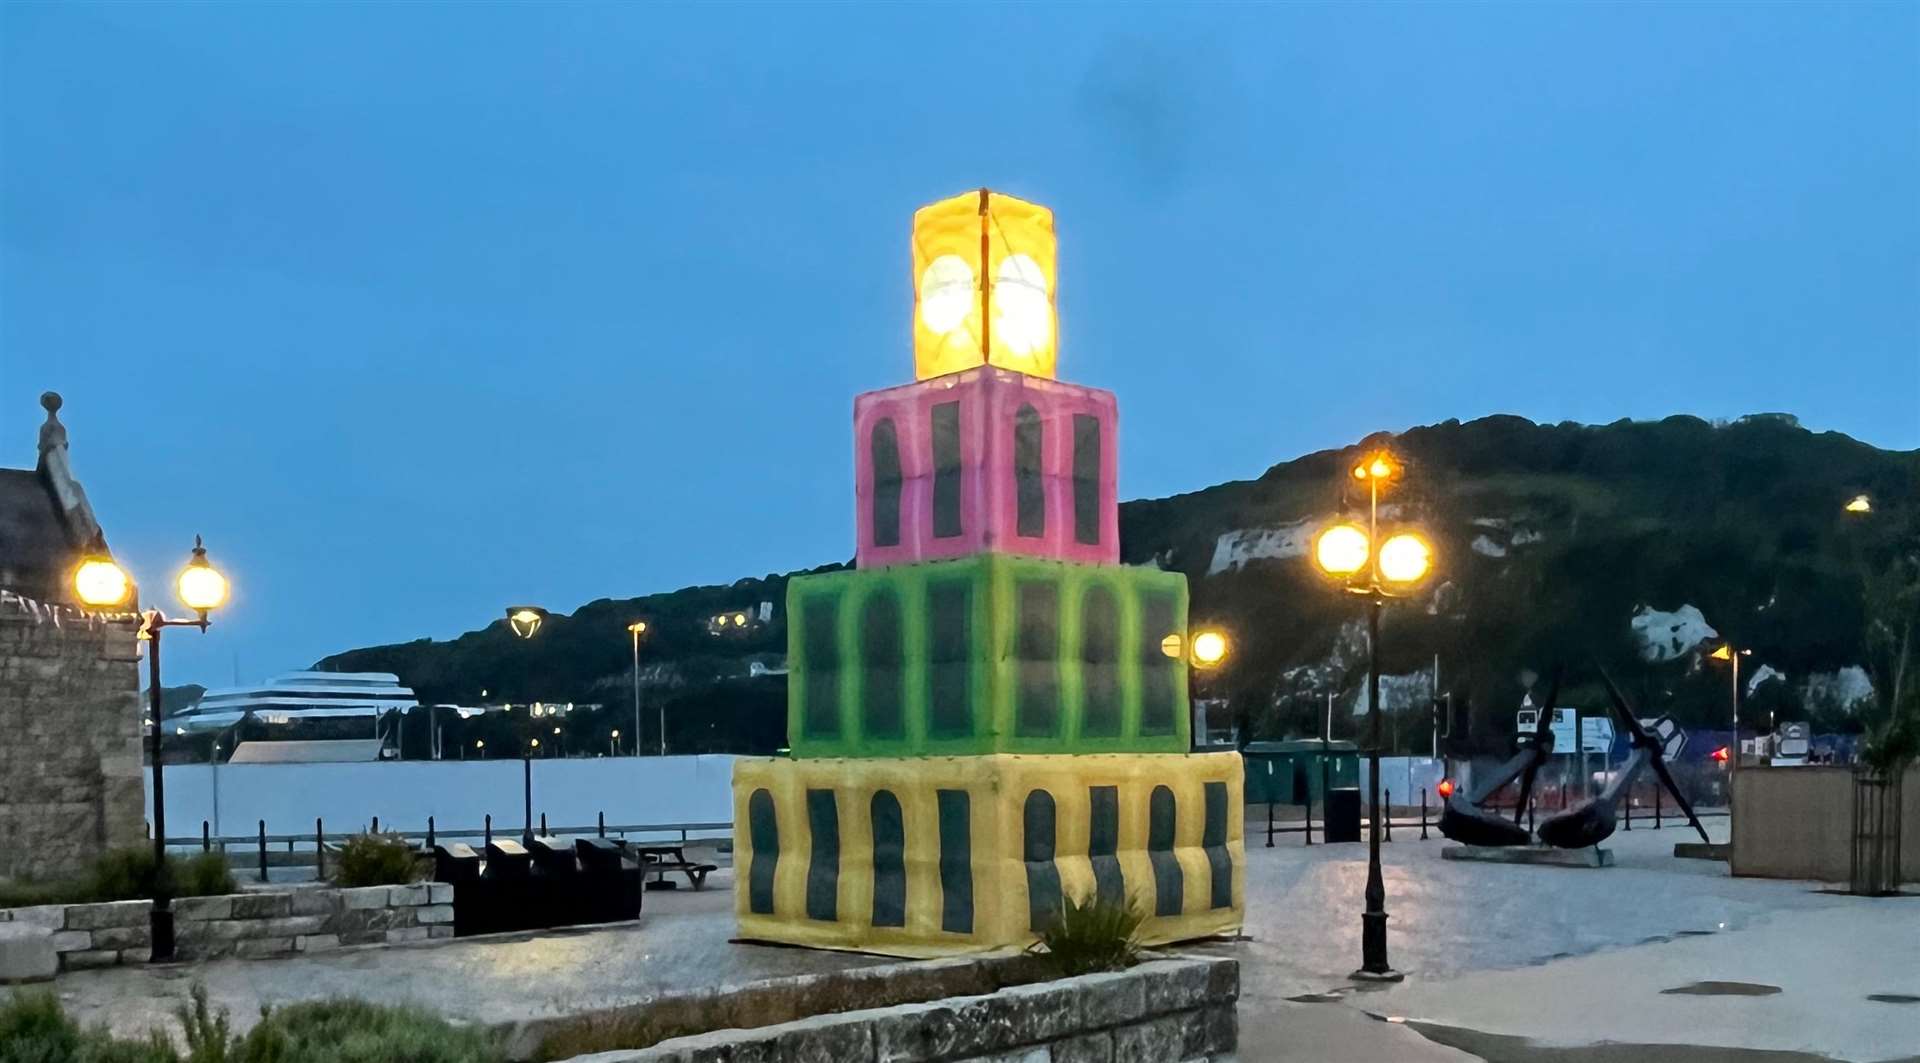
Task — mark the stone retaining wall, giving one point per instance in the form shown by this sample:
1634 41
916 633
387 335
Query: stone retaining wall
267 923
1159 1011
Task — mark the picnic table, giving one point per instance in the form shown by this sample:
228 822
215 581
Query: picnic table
661 859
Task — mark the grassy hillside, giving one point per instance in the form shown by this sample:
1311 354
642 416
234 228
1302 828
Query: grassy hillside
1550 539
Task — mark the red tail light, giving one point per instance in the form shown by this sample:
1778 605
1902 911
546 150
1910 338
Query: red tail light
1721 754
1445 788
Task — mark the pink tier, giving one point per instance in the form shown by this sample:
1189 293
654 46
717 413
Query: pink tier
1011 445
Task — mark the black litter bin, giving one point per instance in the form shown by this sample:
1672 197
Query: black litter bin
611 879
555 880
507 859
552 855
1343 814
458 864
506 893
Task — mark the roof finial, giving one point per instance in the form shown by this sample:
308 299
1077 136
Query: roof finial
53 434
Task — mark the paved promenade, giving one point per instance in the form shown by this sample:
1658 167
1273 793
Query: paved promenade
1504 963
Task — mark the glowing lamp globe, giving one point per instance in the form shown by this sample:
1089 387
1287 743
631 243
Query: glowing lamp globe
1405 558
525 620
100 583
200 587
1209 649
1342 550
983 285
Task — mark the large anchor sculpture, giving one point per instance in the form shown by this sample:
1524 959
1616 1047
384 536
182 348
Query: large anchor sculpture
1588 823
1465 819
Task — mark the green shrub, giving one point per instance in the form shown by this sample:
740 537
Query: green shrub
204 875
354 1031
1892 746
1091 935
24 893
126 875
34 1029
377 860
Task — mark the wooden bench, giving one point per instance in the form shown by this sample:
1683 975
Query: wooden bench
660 859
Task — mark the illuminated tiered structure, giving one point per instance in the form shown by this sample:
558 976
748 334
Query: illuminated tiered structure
990 713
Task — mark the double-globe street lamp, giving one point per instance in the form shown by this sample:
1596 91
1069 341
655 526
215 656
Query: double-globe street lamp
100 583
1379 574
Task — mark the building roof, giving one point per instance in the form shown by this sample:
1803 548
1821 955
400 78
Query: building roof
1301 745
46 524
318 752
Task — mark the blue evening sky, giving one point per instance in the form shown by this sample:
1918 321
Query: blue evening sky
417 310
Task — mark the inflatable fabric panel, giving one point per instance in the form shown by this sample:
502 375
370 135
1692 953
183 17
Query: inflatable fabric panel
983 285
985 460
987 654
929 856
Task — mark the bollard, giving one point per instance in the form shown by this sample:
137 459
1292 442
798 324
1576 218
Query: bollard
1658 792
1529 814
1423 813
319 850
602 817
1627 809
1307 827
206 838
489 832
1269 824
1387 819
429 833
263 850
543 823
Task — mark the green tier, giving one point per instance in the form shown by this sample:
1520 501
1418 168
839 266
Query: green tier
992 653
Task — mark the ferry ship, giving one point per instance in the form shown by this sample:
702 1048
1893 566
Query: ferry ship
297 698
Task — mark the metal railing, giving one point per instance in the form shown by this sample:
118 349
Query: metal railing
309 848
1661 817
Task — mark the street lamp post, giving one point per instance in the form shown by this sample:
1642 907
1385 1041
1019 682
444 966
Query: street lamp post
1379 575
637 629
1731 654
101 583
525 622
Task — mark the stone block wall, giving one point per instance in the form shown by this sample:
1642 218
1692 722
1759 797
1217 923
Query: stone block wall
1179 1008
70 764
267 923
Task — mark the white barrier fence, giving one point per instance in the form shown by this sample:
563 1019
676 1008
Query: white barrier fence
233 798
1405 777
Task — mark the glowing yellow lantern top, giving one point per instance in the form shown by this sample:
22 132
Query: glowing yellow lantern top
983 285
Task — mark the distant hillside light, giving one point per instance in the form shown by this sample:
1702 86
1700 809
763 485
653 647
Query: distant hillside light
100 582
1405 558
984 274
200 586
1341 550
1859 504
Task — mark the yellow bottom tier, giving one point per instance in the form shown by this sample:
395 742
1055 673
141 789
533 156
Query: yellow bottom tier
931 856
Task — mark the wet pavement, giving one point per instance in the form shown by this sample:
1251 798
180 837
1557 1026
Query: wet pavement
1654 959
680 943
1503 962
